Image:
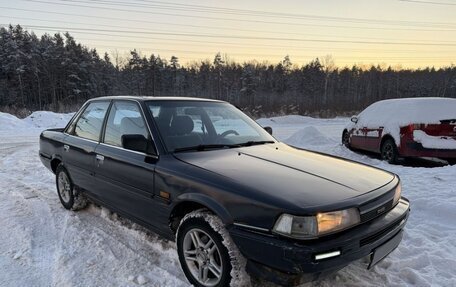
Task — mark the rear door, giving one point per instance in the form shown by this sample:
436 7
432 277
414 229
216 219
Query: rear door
79 146
124 176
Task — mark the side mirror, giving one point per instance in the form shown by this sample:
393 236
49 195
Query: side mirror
135 142
268 129
354 119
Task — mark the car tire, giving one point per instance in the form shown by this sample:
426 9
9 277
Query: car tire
451 161
207 254
346 139
389 151
70 196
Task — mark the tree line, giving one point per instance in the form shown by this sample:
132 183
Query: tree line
54 72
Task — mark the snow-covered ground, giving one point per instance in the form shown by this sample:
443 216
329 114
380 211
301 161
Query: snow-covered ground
42 244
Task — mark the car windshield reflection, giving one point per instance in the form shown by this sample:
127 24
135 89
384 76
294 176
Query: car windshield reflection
205 125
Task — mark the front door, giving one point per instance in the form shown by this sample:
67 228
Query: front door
357 138
125 173
373 137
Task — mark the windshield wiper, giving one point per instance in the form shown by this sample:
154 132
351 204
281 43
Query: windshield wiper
203 147
250 143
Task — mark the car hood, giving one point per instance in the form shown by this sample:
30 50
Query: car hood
302 178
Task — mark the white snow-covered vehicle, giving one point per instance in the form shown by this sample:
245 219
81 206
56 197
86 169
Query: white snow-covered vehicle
409 127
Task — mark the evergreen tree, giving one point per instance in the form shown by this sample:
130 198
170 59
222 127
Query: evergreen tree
56 72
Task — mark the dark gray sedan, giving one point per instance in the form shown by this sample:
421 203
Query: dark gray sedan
234 198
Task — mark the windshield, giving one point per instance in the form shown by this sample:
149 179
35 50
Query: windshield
200 125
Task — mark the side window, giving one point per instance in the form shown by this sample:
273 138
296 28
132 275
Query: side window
126 127
89 124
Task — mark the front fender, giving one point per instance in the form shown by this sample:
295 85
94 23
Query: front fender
207 201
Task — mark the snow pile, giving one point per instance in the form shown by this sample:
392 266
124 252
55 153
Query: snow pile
292 129
44 119
9 122
36 122
308 136
396 113
433 142
293 119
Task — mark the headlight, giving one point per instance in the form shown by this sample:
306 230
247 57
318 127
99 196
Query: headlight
306 227
397 194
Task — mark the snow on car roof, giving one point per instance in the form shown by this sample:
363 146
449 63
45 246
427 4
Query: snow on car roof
410 110
396 113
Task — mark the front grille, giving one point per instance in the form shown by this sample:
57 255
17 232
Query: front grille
378 210
376 236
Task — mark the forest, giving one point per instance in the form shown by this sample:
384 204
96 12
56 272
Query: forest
55 72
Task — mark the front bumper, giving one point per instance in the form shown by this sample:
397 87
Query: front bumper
289 262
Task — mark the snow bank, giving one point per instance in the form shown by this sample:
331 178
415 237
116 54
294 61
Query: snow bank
37 121
395 113
292 119
9 122
43 119
308 136
433 142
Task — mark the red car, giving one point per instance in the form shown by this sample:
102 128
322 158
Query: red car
410 127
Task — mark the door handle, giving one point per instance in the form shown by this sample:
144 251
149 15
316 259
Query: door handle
99 157
66 147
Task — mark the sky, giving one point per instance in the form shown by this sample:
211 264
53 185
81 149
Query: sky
400 33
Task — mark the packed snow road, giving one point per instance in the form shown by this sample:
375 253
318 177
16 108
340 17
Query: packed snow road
42 244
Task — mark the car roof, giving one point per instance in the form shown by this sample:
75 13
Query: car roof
406 101
144 98
394 113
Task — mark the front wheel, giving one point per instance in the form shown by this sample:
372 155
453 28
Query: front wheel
346 139
69 196
207 254
389 151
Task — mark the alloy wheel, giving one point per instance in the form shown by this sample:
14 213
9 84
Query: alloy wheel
345 139
202 257
387 152
64 186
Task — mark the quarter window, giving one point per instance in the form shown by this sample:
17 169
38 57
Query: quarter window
89 124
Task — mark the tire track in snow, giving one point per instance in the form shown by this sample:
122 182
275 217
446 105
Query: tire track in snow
54 232
41 250
158 253
92 249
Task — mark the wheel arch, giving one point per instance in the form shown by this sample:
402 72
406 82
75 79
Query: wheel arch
347 132
56 160
385 138
189 202
343 133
